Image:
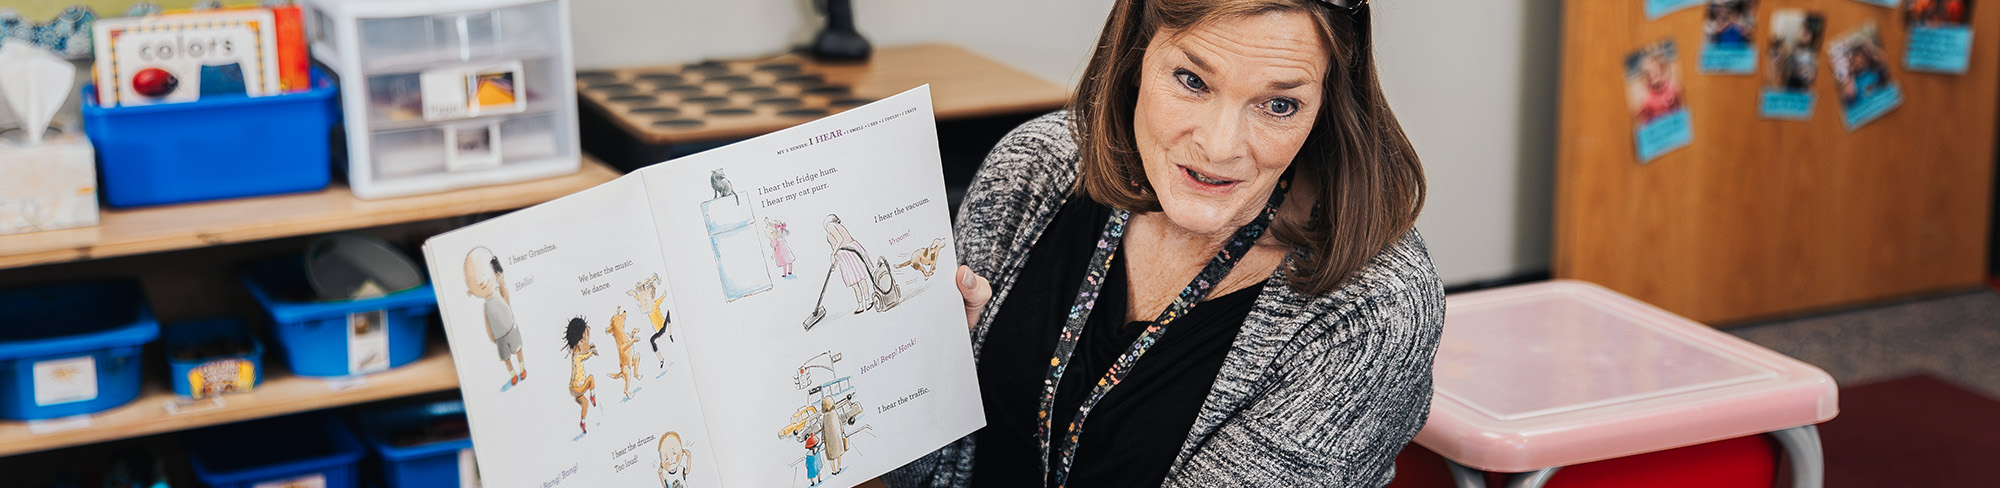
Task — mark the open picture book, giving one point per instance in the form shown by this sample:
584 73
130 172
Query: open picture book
779 312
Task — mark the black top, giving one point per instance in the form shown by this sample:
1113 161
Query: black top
1135 432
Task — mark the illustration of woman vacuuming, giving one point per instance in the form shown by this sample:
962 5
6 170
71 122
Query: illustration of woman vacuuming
874 286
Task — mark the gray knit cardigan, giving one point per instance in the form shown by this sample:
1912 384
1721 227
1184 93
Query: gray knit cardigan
1317 390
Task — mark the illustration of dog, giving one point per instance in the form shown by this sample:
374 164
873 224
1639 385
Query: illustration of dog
924 259
628 363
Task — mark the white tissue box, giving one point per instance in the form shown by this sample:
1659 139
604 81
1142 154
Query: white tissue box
47 187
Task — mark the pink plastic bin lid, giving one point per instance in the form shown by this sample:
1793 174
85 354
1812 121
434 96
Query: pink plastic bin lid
1567 372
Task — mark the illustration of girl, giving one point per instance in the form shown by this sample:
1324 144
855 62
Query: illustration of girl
674 458
576 338
853 268
781 251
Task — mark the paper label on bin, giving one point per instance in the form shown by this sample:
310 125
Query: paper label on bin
472 147
60 424
315 480
367 342
60 381
180 405
468 469
345 383
460 92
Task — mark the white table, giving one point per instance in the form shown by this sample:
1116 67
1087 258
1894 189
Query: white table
1535 377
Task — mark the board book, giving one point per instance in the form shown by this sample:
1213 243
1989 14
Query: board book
776 312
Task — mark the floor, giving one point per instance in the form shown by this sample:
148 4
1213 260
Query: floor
1954 337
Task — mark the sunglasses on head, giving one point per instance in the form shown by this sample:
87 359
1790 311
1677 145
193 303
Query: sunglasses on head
1344 6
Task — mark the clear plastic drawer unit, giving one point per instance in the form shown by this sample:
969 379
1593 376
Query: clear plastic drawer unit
447 94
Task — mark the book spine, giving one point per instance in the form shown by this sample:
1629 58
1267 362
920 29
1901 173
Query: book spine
294 64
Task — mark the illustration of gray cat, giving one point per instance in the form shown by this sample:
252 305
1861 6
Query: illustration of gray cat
722 186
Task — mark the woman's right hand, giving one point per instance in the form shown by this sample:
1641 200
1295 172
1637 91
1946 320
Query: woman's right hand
977 291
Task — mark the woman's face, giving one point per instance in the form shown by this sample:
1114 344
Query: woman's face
1222 110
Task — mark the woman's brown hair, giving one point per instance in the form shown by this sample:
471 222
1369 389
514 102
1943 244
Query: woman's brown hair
1369 184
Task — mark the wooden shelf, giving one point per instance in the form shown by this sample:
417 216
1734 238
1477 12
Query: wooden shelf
281 394
187 226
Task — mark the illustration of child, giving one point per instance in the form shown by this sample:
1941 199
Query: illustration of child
674 458
576 339
485 280
647 293
781 251
805 428
852 262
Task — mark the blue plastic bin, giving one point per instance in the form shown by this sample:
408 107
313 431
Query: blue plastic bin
218 374
314 333
214 148
404 463
301 448
52 333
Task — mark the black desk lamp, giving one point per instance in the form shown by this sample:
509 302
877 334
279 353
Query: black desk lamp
838 41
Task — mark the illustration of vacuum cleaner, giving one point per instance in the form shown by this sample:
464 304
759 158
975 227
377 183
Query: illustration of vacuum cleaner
880 281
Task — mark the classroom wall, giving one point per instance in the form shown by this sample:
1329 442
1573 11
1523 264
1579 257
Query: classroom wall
1473 82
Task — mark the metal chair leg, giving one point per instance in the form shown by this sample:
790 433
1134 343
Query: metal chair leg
1803 448
1465 476
1532 479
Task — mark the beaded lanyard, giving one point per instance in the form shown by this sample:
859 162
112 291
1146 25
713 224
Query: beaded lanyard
1086 298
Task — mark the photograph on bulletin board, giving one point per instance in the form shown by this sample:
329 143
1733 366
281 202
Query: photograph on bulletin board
1653 90
1940 37
1794 64
1861 70
1880 3
1729 27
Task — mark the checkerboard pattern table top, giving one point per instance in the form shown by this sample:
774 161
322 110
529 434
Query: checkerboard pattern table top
722 100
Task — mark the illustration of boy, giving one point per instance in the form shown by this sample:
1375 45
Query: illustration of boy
674 458
485 280
576 338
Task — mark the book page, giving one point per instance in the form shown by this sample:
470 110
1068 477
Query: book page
568 349
815 267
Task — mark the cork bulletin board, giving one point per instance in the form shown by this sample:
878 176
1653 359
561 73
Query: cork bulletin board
1757 217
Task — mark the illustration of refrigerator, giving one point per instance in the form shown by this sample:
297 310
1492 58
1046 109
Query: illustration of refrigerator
739 248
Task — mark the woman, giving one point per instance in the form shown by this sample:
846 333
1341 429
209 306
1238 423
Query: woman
1200 125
